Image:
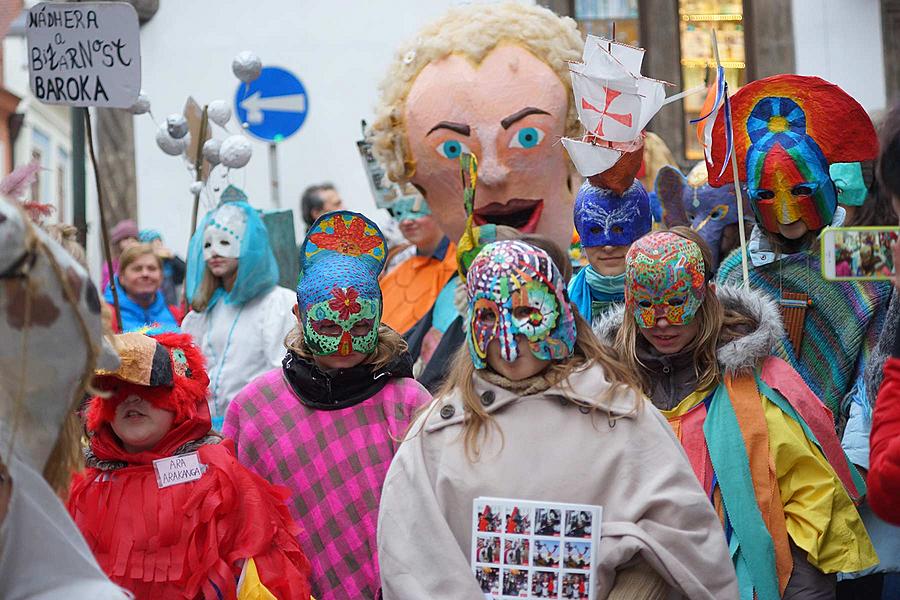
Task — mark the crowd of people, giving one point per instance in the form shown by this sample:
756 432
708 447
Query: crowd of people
244 440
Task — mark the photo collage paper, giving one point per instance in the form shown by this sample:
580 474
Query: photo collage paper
526 549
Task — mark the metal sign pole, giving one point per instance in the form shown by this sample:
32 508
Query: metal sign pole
273 174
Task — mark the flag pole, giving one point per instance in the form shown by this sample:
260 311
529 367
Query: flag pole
745 269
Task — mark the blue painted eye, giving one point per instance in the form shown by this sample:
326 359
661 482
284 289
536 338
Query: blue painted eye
452 149
527 137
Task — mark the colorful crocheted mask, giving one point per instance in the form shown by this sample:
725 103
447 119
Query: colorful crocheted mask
514 288
788 129
222 236
338 292
664 279
409 208
604 218
788 173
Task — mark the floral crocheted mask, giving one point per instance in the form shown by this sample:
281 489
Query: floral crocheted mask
338 292
664 279
515 289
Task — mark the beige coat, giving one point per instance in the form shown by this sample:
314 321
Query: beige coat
552 449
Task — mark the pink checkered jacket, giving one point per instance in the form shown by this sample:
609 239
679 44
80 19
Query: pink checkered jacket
334 462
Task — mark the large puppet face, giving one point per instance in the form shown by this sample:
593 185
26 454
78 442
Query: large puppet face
515 289
788 177
664 279
508 111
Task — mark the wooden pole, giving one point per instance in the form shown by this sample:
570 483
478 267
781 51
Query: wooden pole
745 268
198 169
104 229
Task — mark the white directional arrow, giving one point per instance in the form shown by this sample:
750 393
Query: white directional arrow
255 105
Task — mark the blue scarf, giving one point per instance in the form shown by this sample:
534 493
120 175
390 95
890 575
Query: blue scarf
588 287
135 317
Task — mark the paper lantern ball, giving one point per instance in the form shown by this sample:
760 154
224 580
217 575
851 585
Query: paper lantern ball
141 105
211 150
235 151
219 112
167 143
246 66
177 125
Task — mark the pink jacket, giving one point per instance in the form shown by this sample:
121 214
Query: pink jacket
334 462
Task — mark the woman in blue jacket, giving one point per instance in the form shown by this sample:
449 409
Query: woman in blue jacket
141 302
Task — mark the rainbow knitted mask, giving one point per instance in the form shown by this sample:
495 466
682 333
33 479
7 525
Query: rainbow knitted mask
604 218
788 129
514 288
664 279
338 293
788 173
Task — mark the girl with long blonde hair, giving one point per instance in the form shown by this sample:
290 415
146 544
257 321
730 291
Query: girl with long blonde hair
536 409
750 426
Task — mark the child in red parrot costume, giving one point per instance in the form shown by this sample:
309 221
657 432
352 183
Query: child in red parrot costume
223 534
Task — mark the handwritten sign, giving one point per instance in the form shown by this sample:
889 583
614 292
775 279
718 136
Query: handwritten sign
182 468
85 54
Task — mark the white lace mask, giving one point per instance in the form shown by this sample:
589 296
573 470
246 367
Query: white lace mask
224 233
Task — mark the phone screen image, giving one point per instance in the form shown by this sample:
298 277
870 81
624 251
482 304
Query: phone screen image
858 253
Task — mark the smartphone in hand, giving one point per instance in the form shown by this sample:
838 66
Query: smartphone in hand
858 253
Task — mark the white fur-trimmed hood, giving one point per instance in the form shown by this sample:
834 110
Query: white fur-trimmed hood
742 353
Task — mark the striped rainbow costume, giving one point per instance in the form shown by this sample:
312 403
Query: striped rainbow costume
842 324
762 435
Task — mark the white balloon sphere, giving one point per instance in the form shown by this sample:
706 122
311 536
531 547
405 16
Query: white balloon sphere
177 125
167 143
246 66
196 187
235 151
141 105
211 151
219 112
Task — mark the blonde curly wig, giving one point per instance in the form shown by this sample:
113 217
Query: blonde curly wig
472 31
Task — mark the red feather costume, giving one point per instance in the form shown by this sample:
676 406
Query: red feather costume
189 540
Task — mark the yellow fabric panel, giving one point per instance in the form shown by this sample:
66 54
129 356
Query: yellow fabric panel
251 588
820 516
689 402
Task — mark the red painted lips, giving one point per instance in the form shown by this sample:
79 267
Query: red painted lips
519 213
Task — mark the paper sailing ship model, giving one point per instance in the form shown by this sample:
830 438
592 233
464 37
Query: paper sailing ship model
614 103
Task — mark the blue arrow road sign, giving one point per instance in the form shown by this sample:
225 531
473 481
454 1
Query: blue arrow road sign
273 106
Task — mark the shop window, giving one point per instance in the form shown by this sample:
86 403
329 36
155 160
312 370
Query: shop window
698 63
597 17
